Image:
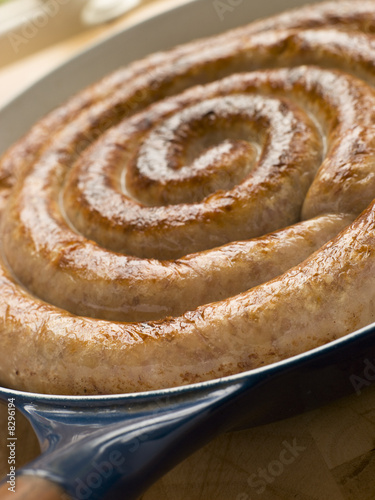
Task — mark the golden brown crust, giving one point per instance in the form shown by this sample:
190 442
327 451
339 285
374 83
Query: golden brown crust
162 196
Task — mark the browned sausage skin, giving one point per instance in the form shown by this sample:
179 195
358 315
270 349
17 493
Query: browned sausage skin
197 213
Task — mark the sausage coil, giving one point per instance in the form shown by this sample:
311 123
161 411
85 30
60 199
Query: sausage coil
198 213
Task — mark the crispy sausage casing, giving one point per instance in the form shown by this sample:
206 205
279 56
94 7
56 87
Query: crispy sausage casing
201 212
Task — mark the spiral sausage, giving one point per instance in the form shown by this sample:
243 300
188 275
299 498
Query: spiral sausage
201 212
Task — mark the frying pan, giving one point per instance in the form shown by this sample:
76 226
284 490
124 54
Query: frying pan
116 446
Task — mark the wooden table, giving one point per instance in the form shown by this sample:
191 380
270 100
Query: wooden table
326 454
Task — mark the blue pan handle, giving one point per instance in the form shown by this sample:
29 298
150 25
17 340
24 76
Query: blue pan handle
99 448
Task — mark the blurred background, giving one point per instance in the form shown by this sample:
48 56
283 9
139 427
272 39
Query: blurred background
38 35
